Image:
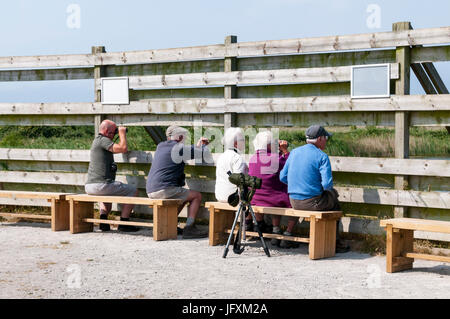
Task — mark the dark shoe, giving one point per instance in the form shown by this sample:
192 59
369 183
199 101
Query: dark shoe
104 227
190 232
286 244
127 228
264 228
341 247
248 225
274 241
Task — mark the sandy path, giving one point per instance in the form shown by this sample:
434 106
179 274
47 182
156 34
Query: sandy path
38 263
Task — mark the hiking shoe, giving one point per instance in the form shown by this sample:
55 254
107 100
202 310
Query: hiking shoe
264 228
342 247
286 244
248 225
274 241
104 227
127 228
190 232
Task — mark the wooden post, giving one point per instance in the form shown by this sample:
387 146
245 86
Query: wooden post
398 243
78 212
402 87
230 65
219 221
60 215
165 221
322 238
99 72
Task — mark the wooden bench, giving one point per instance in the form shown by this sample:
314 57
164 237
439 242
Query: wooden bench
165 214
322 238
59 207
399 241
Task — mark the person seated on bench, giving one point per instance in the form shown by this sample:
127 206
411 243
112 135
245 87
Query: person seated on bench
230 161
267 165
102 173
166 176
308 175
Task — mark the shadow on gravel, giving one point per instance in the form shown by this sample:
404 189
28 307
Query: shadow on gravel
443 270
23 224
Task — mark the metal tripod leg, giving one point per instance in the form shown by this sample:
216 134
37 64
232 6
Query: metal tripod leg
238 213
266 250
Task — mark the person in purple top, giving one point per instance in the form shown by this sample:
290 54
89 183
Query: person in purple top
273 193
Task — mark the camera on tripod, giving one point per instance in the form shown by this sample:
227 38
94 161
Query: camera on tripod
247 187
244 182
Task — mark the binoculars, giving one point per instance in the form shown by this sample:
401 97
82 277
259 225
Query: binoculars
117 131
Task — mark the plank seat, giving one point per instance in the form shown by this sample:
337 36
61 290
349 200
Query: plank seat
322 239
59 207
165 214
399 241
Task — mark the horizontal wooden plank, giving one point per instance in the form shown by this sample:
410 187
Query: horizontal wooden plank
428 257
112 58
317 60
123 200
275 236
419 167
26 216
416 37
32 195
430 54
342 42
117 222
417 224
286 76
394 197
219 106
48 74
278 211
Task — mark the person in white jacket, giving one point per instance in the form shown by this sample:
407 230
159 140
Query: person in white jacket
232 161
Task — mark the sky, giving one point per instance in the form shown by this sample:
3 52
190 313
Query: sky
30 27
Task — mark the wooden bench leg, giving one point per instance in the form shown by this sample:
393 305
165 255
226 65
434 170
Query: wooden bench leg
60 215
322 236
219 221
165 221
398 242
78 212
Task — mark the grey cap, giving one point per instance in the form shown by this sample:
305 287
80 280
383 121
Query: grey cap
175 131
316 131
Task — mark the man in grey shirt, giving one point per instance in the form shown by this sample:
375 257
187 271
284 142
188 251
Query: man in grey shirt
102 172
166 175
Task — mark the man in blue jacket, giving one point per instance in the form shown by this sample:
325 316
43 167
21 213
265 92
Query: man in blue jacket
307 173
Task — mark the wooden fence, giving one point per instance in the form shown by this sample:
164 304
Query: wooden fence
282 83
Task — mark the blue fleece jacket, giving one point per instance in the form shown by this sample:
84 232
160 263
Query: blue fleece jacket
307 172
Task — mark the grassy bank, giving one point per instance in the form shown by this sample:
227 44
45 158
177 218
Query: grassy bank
366 142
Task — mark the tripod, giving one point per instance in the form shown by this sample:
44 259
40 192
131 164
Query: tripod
244 207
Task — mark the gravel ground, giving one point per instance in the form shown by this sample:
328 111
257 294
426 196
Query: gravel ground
38 263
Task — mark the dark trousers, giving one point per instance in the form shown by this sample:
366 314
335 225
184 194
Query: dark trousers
328 201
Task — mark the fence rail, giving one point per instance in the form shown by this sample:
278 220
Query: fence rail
287 83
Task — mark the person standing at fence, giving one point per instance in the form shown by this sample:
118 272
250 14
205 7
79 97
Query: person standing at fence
166 177
308 175
102 172
230 161
267 165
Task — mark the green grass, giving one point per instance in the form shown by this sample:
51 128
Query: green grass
358 142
